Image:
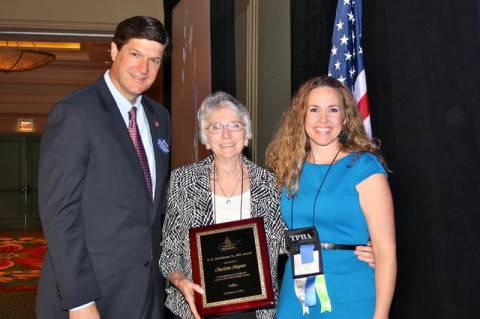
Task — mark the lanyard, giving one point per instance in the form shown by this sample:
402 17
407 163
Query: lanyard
316 196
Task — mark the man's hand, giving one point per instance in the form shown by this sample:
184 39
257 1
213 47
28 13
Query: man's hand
88 312
365 253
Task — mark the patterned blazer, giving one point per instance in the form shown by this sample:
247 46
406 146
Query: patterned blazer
190 205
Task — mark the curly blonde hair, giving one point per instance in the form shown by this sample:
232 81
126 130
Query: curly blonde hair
290 147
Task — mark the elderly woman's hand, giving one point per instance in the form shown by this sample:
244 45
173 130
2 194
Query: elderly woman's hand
365 253
187 288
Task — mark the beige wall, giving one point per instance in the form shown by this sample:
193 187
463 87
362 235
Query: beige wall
84 11
273 70
31 94
273 59
272 81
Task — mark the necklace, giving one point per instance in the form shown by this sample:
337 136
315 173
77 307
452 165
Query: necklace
228 198
229 202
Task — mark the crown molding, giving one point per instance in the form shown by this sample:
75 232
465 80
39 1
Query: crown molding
56 25
56 30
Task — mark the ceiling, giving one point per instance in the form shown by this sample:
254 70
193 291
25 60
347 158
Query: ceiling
35 91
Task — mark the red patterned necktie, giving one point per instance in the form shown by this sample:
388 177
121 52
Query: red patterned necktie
137 142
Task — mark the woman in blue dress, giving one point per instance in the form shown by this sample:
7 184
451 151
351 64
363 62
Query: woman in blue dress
334 181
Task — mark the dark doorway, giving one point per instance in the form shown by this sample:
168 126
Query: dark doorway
18 182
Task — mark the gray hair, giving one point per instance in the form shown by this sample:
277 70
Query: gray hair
221 100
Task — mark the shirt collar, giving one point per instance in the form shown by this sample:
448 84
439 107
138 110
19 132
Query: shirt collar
123 104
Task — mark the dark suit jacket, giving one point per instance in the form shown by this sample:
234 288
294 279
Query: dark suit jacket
102 232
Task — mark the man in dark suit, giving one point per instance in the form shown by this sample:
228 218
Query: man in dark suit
104 162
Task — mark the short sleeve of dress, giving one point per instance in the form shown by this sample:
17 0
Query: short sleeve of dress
368 165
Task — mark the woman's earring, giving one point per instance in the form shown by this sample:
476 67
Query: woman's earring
343 137
245 144
207 146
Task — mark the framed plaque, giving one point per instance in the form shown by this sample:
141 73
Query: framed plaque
230 261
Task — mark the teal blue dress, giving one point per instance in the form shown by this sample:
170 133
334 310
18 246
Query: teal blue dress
339 220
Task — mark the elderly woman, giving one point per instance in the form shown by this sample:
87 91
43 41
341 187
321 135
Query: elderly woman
224 187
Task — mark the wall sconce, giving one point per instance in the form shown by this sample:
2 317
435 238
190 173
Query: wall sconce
25 125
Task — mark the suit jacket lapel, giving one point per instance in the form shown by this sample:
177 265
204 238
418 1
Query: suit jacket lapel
118 126
120 129
157 133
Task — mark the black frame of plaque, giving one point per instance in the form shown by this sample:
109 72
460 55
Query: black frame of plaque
230 261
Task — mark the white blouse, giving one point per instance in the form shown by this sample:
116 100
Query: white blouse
224 212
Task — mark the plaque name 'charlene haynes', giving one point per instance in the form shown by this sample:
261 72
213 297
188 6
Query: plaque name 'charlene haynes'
235 266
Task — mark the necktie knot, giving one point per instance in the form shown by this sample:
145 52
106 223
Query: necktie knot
132 117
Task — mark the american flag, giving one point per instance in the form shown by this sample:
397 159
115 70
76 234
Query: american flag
346 57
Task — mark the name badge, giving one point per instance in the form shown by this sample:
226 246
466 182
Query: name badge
305 252
163 145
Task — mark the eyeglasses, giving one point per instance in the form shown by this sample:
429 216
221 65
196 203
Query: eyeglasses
232 127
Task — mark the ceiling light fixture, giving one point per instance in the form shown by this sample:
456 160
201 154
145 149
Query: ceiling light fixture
18 58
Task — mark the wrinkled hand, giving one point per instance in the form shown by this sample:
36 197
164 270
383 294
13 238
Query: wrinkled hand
89 312
365 253
188 288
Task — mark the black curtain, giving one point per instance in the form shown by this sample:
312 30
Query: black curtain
222 40
311 36
422 62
